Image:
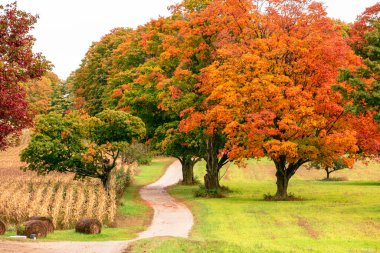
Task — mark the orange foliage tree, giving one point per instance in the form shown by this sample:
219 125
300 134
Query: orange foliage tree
39 93
270 84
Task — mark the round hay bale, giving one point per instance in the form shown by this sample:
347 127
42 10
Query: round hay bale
47 220
88 226
2 228
36 227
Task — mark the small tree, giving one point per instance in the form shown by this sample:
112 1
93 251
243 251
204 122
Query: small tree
339 164
88 147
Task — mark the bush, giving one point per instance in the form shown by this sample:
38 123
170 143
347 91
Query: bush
36 227
137 152
88 226
202 192
122 180
291 197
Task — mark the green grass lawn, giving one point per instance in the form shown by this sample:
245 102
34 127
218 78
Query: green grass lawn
333 216
133 215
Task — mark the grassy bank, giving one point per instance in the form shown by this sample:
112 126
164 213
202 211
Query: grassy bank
336 216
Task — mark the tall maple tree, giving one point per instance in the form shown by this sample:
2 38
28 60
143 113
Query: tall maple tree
17 64
270 84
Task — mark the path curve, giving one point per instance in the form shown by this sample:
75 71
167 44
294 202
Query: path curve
171 218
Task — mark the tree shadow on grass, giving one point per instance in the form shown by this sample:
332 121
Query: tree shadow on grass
362 183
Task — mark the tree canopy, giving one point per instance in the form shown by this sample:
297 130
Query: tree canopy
228 80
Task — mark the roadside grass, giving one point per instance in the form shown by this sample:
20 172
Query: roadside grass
334 216
133 214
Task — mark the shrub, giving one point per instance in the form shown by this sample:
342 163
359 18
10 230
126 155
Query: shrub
88 226
202 192
291 197
122 180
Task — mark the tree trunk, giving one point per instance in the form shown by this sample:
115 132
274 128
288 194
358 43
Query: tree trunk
213 164
105 181
212 177
282 185
327 173
187 170
283 175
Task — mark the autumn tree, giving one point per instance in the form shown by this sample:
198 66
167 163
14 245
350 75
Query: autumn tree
363 83
140 79
135 73
86 146
270 84
194 46
89 81
17 64
39 93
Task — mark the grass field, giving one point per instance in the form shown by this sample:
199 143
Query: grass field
334 216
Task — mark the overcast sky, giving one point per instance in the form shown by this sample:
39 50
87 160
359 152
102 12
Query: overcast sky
66 28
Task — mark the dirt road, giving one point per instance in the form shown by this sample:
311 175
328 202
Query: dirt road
171 218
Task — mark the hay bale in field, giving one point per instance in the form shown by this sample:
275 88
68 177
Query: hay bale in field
2 228
47 220
36 227
88 226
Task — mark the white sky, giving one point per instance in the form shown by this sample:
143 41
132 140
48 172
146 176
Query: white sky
67 28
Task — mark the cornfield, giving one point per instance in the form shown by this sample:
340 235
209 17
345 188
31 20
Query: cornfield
25 194
59 197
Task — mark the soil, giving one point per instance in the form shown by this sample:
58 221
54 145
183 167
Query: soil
171 218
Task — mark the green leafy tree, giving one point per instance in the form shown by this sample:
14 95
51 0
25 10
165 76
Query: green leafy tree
86 146
61 98
186 147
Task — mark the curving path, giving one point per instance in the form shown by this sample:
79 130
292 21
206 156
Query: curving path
171 218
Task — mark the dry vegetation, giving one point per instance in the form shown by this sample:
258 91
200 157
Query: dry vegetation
25 194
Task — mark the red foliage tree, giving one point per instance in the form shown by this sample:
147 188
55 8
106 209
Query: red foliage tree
17 64
365 23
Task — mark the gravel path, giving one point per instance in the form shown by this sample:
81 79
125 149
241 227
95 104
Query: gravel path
171 218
